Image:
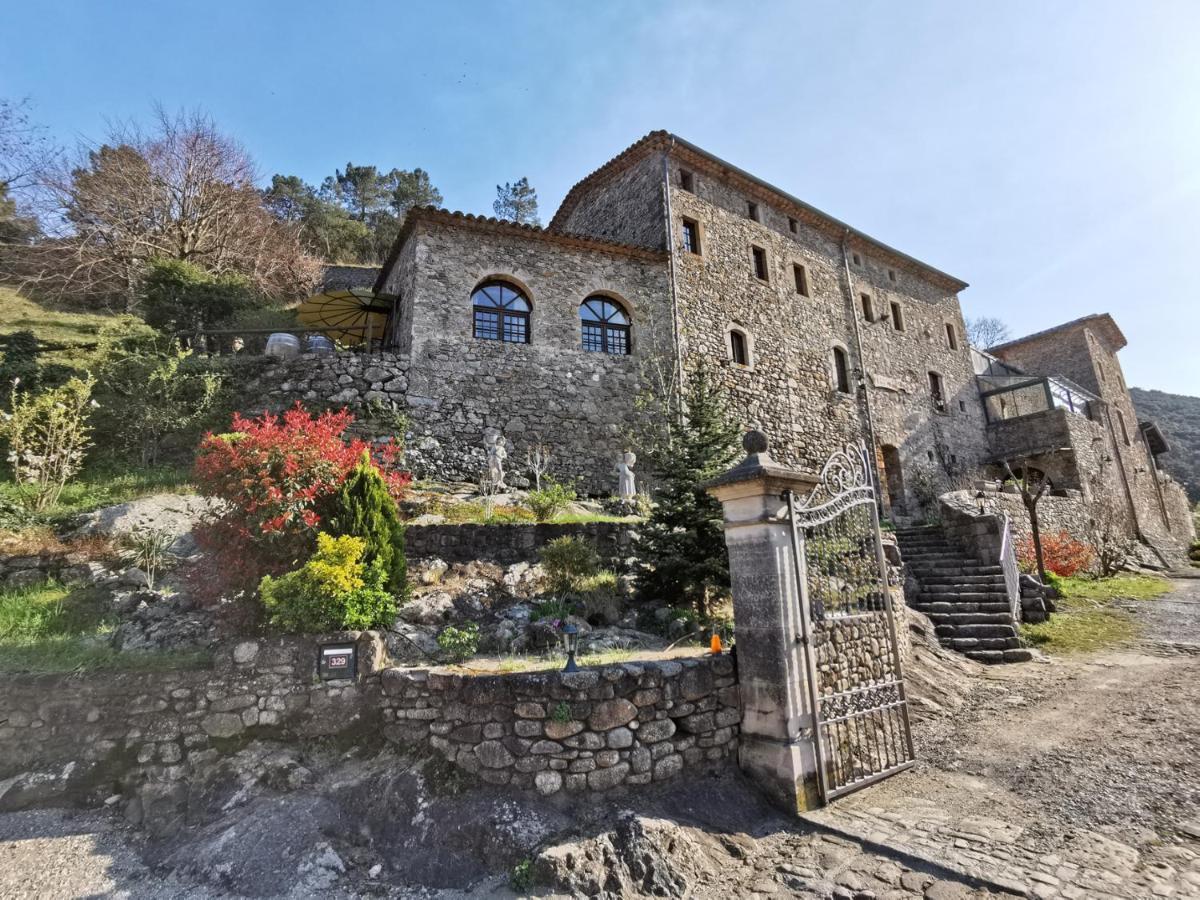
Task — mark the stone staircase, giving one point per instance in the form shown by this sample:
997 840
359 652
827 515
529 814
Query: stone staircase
966 600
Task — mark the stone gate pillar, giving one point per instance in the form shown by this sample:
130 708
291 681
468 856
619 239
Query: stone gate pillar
776 734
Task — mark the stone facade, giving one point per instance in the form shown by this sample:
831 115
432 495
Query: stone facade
802 292
593 729
506 544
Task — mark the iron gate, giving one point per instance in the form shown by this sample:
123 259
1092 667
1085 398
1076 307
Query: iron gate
848 630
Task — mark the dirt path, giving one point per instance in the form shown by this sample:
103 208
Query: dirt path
1094 759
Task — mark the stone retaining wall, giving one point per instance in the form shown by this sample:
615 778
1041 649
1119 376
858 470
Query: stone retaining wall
506 544
23 571
590 730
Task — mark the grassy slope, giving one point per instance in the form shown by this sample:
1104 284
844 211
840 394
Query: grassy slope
19 313
1086 619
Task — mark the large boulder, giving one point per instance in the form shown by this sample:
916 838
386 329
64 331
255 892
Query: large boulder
176 514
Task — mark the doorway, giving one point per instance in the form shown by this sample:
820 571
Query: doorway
893 479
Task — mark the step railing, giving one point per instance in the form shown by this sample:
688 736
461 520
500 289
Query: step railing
1012 575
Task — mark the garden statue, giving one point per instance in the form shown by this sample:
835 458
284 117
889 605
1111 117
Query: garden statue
496 454
626 483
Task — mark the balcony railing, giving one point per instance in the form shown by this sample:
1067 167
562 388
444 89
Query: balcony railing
1013 396
284 342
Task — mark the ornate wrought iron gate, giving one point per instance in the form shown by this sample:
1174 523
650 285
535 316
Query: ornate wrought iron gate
852 658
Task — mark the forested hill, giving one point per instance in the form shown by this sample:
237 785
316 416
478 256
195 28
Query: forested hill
1179 418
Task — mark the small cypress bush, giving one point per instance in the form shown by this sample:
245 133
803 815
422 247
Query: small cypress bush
364 508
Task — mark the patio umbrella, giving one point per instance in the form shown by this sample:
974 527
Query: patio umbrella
347 316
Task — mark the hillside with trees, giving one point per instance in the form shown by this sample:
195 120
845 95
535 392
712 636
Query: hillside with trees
1178 415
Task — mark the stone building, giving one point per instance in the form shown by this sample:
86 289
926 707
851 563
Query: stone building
667 258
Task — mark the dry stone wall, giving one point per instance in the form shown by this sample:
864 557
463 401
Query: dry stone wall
505 544
630 208
590 730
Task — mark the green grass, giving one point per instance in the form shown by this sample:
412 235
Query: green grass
475 513
1086 620
105 486
51 628
69 330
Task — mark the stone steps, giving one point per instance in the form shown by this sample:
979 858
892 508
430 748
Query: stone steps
966 600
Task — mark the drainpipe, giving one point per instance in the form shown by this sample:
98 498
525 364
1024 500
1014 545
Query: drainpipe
862 367
670 235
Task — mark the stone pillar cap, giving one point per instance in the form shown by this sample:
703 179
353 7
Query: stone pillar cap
758 466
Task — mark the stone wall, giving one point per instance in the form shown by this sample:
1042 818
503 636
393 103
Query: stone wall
629 208
1067 512
548 391
17 571
595 729
89 736
505 544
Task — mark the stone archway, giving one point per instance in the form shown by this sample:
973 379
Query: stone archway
893 478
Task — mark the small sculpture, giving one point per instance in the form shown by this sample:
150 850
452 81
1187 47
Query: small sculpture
496 454
626 481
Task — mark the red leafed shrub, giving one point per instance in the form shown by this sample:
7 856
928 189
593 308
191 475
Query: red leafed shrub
1062 554
278 476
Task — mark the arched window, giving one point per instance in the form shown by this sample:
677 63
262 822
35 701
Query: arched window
739 347
501 313
841 370
605 326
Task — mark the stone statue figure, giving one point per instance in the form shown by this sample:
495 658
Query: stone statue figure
626 481
496 454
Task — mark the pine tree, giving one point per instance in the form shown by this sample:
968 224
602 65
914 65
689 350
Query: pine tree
683 544
365 509
517 202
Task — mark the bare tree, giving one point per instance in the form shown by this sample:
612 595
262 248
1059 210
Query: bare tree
987 331
1110 539
537 461
181 191
1033 485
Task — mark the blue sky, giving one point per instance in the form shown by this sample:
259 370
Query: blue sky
1047 152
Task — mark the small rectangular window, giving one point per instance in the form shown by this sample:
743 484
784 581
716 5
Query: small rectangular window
962 405
867 307
897 316
752 210
687 181
791 225
857 259
737 348
891 275
801 280
691 236
951 337
841 371
760 262
935 391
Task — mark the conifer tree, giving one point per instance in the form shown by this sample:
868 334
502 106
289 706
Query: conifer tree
683 543
365 509
517 202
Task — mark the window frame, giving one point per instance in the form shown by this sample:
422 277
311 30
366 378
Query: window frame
951 336
937 390
841 370
868 306
793 225
502 312
760 264
752 211
800 274
735 335
687 180
897 315
693 245
606 328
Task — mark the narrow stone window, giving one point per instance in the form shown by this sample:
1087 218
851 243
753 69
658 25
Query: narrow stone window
951 336
605 326
792 225
897 316
936 392
500 312
841 371
962 405
868 307
691 236
891 274
760 263
857 259
801 279
739 347
687 181
752 210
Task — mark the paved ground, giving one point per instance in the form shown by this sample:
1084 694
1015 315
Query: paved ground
1067 778
1076 778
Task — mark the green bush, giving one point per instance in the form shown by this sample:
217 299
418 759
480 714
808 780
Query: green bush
568 561
550 500
334 590
561 713
553 608
365 509
459 643
521 877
